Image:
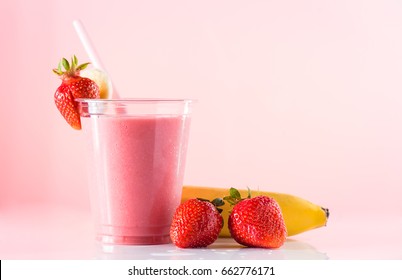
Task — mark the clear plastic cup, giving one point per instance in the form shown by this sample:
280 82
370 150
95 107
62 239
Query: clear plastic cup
136 160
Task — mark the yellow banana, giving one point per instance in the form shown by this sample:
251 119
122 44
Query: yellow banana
299 214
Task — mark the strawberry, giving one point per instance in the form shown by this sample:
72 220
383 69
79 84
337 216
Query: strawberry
196 223
73 86
256 222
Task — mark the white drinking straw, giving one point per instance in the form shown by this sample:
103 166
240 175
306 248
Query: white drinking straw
88 46
90 50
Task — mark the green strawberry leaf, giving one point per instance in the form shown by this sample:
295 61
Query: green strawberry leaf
58 72
65 64
230 200
83 66
74 60
218 202
235 193
234 196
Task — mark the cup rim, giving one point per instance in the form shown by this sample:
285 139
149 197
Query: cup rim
136 100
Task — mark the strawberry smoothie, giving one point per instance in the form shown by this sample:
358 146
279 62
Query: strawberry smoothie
136 168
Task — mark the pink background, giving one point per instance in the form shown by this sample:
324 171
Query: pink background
302 97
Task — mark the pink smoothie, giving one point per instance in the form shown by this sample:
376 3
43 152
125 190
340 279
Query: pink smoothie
136 168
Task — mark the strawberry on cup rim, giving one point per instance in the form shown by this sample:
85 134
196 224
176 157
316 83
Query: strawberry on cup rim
75 85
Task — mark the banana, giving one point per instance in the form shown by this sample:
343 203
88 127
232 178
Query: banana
101 79
299 214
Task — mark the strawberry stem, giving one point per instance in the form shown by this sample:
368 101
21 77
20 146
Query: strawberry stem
234 196
70 69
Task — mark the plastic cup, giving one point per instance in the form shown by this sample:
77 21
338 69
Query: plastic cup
136 161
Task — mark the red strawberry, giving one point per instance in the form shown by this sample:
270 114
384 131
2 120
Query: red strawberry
73 86
256 222
196 223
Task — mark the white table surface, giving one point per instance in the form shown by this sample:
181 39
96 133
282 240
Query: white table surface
59 233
